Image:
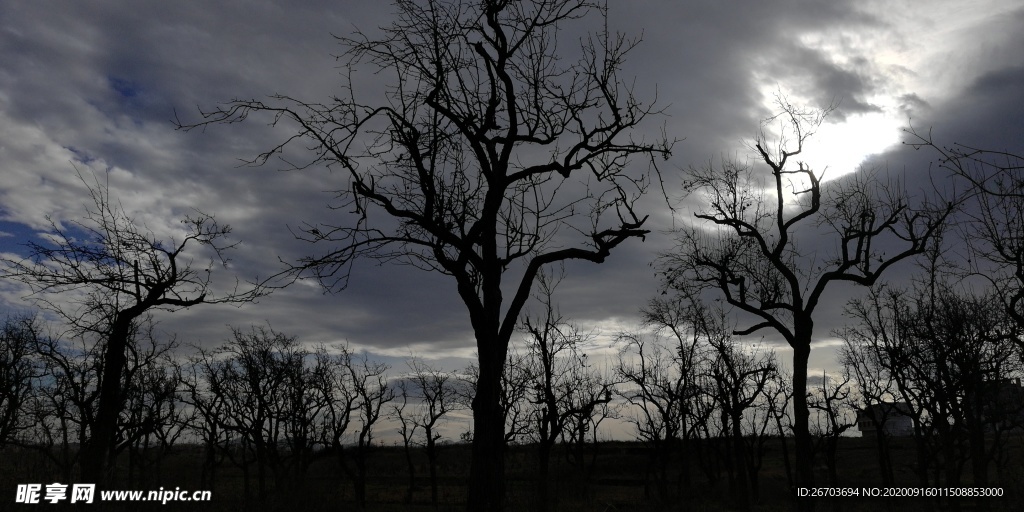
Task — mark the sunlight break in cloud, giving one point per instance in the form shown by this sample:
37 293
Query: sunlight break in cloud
839 148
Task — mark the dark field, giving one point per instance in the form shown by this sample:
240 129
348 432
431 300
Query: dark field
618 481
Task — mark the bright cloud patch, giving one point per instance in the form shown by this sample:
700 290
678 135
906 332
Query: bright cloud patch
839 148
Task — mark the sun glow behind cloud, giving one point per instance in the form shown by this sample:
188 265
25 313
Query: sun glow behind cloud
839 148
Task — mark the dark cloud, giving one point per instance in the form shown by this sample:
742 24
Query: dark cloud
97 84
988 113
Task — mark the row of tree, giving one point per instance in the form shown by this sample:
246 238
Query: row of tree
948 358
261 402
271 406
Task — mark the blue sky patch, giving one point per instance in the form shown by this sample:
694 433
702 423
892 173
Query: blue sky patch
125 88
14 235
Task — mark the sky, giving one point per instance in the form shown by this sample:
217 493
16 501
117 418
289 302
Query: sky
93 87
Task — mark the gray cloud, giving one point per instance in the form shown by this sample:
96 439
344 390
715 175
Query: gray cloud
97 84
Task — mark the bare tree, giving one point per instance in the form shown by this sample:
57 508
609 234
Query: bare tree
760 243
561 380
993 226
407 428
777 396
876 388
580 435
435 394
63 406
877 332
118 271
682 320
152 414
372 392
741 377
659 388
474 157
262 400
247 375
344 401
19 368
953 356
201 381
733 378
834 414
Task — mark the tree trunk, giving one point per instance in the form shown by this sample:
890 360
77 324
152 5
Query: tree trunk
95 462
432 462
801 420
487 469
412 469
742 465
785 451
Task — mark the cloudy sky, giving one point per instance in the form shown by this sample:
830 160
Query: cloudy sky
95 85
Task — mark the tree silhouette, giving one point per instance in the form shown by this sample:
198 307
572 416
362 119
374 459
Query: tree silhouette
117 271
993 226
952 356
563 385
433 394
759 243
18 370
486 153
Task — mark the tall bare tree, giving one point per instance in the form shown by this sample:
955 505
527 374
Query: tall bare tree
489 149
117 271
760 242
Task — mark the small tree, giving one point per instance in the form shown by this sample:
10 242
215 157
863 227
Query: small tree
659 385
434 394
372 392
563 387
746 244
63 406
740 378
407 429
876 386
117 271
19 368
482 157
833 404
153 418
267 393
201 380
